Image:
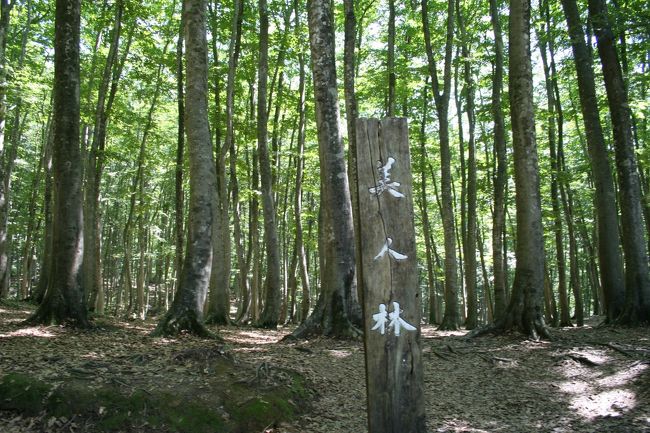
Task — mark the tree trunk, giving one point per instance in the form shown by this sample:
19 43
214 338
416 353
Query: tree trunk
5 269
92 239
218 305
390 112
611 267
63 301
179 205
330 317
637 279
272 288
351 114
558 226
300 161
525 311
186 313
426 223
501 171
469 251
451 319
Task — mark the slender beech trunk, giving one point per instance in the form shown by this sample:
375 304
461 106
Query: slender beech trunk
525 310
562 173
390 112
218 304
469 247
186 313
558 223
351 114
47 218
451 319
5 269
637 278
609 257
179 200
92 251
426 223
330 316
300 161
63 300
233 58
501 170
272 289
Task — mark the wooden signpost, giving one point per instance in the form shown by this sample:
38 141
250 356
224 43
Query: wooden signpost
389 278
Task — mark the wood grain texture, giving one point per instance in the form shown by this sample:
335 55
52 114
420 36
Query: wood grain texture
393 363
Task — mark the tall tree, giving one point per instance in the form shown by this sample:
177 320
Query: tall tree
390 112
637 276
441 96
300 163
5 11
218 307
63 300
272 289
609 257
469 247
186 312
525 310
330 316
95 166
558 223
501 170
179 196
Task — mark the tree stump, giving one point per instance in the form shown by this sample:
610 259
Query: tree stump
389 278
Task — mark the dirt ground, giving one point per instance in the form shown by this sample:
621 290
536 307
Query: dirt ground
590 379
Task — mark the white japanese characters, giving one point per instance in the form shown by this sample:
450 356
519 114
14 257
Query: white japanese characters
392 253
380 319
396 322
384 183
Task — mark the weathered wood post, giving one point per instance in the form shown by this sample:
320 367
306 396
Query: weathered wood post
389 278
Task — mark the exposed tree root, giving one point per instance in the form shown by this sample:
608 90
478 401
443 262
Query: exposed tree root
176 322
320 324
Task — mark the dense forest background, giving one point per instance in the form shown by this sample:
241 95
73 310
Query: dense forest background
443 65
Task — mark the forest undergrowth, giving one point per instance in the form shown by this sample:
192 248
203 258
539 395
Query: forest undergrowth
117 378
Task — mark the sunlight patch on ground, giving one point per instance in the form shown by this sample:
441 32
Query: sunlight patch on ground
606 404
249 350
623 377
340 354
429 331
575 387
253 337
29 332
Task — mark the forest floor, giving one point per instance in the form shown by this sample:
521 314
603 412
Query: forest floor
589 379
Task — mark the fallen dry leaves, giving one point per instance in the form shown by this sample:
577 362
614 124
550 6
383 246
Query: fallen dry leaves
584 380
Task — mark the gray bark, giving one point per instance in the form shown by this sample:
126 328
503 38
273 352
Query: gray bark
525 310
272 285
501 171
186 312
637 277
451 317
63 301
330 316
609 256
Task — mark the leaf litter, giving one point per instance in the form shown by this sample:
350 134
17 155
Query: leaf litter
594 378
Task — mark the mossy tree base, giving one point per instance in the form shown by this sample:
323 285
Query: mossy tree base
328 322
517 319
176 322
54 311
448 324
